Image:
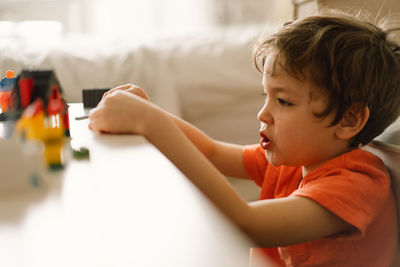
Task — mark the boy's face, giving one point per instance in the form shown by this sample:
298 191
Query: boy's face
291 134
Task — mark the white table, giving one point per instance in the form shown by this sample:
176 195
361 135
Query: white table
126 206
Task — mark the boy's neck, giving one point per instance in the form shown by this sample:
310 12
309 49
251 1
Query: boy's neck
307 169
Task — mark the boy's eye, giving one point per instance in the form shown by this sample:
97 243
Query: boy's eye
284 102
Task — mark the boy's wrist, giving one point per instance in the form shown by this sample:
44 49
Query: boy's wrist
152 121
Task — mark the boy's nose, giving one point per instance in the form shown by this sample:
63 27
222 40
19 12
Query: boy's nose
264 115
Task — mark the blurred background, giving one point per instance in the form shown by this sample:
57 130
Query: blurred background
204 73
117 18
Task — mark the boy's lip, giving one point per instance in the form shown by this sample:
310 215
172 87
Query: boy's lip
265 142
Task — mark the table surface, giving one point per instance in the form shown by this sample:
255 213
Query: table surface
126 206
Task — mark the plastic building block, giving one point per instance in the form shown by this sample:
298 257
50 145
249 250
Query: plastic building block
5 98
81 153
66 123
56 104
10 74
91 97
25 91
56 166
31 85
35 180
53 144
34 100
33 125
6 86
7 83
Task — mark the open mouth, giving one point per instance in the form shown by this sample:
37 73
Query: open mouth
265 142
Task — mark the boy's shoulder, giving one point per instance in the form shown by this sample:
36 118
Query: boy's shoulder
355 186
358 158
356 165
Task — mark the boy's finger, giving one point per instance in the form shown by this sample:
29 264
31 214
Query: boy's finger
120 87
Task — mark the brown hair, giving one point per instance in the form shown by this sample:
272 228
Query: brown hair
353 62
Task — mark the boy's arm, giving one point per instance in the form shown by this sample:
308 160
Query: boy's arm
226 157
277 222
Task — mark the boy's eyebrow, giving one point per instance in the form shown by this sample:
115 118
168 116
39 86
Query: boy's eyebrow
280 89
284 89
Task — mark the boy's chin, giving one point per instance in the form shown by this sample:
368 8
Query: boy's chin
272 159
277 161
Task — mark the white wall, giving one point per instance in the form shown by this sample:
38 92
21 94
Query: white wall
145 17
58 10
119 17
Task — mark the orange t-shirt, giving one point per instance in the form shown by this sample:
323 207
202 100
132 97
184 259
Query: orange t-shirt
356 187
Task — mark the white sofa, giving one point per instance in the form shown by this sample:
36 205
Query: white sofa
207 78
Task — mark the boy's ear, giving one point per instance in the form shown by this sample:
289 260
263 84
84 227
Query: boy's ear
353 122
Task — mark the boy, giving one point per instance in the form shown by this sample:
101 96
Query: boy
331 84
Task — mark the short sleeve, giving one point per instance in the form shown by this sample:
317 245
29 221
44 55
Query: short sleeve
356 194
255 163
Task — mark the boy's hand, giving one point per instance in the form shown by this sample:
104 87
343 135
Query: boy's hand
121 111
131 88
